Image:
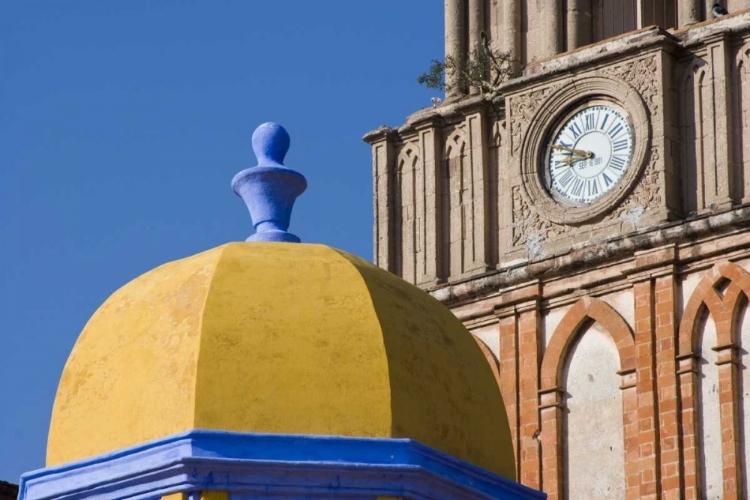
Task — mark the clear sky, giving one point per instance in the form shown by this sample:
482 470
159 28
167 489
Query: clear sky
122 123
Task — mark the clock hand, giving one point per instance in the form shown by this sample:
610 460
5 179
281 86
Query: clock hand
579 152
569 160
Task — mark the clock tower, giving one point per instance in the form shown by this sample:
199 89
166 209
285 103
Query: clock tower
589 223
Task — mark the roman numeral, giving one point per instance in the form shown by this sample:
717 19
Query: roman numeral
589 122
613 133
592 189
620 145
575 129
563 143
617 163
604 123
566 178
607 180
577 187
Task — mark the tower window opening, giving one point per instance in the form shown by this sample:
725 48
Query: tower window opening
611 18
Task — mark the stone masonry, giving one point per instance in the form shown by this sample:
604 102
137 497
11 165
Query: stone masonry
618 332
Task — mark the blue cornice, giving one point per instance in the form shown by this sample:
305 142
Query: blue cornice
269 465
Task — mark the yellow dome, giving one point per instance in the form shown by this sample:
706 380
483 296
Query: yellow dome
277 338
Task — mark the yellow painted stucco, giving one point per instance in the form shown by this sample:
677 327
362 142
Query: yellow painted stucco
131 375
278 338
291 344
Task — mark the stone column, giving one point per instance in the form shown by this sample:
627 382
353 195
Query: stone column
475 24
551 30
579 24
455 31
510 29
689 12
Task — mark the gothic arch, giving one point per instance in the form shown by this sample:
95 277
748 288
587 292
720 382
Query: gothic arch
694 72
409 154
491 360
552 400
405 230
456 141
691 112
722 303
456 181
721 291
587 308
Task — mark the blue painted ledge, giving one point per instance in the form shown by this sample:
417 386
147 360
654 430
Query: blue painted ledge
265 466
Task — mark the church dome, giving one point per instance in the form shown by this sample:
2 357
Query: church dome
272 336
277 338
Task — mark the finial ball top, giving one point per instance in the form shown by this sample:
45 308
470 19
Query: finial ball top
270 144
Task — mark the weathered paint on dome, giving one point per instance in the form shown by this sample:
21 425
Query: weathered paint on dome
277 338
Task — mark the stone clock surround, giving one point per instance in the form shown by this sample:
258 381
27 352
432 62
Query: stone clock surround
639 82
534 143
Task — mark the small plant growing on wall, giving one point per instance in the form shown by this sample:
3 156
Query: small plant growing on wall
485 70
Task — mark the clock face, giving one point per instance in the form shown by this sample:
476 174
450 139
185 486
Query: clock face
589 154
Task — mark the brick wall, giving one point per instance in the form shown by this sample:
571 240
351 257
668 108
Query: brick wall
654 307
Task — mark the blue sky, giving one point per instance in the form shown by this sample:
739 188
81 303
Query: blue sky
122 123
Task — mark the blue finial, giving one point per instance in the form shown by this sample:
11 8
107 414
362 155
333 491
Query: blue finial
270 189
270 144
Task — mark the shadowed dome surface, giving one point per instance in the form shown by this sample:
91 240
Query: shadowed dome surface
277 338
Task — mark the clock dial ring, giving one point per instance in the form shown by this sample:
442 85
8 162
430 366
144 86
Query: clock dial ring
588 153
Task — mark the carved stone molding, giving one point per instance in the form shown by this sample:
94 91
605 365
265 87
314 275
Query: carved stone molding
641 74
523 108
529 229
646 193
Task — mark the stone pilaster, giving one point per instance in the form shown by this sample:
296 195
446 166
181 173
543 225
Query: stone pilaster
520 316
687 373
383 160
653 278
429 258
721 178
728 359
551 417
477 126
